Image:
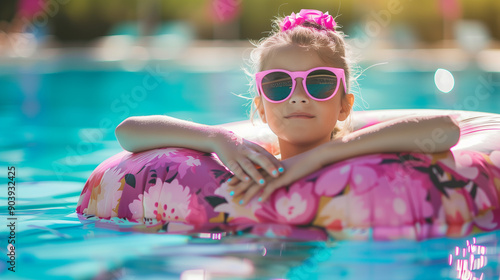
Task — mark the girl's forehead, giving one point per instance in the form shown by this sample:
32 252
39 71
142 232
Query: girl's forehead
299 58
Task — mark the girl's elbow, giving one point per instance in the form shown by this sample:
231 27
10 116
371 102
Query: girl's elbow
121 130
443 134
128 125
124 141
452 131
122 134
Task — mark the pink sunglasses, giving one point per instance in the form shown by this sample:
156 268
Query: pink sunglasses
320 84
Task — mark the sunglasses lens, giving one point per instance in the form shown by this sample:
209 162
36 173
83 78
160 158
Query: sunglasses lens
321 83
277 85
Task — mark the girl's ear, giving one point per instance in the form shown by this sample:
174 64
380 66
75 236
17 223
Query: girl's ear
347 103
260 108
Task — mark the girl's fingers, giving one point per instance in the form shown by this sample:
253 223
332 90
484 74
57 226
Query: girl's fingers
241 188
273 186
252 171
238 172
271 157
244 167
266 193
267 161
245 192
251 192
233 181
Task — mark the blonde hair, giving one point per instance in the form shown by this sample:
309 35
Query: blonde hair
329 44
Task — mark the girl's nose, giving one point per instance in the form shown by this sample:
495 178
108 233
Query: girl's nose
299 94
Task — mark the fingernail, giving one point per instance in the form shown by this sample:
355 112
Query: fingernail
281 169
275 172
241 201
261 181
229 180
231 193
260 199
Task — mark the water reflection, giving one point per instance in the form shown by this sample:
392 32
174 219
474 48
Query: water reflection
86 249
469 260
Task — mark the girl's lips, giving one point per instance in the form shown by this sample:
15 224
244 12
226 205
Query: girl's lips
299 117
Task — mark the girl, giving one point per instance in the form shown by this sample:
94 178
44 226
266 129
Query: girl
302 90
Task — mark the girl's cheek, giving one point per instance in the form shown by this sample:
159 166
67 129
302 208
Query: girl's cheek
273 113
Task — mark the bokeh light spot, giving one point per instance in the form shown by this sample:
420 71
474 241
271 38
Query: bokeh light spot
444 80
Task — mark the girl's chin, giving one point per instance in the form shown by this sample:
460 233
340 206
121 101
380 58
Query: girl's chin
301 134
304 139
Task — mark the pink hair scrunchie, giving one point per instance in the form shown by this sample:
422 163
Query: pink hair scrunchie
323 19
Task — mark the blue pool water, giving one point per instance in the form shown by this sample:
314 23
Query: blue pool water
57 124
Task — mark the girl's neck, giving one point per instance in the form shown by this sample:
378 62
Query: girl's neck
289 150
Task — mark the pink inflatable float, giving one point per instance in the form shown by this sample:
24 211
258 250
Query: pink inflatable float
380 196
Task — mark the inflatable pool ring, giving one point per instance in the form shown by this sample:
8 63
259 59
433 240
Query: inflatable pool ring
379 196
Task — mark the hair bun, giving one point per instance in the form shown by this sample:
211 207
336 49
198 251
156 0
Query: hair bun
314 16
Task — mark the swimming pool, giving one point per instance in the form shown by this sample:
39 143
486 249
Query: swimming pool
57 123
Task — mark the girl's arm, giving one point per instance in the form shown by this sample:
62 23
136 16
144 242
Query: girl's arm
137 134
239 155
432 134
410 134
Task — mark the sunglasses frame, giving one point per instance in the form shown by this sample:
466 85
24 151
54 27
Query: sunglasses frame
339 72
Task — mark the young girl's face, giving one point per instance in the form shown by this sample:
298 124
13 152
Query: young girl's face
323 114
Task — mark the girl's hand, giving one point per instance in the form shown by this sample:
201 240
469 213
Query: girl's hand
242 158
296 168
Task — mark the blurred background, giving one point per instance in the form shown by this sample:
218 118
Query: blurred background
72 70
85 20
